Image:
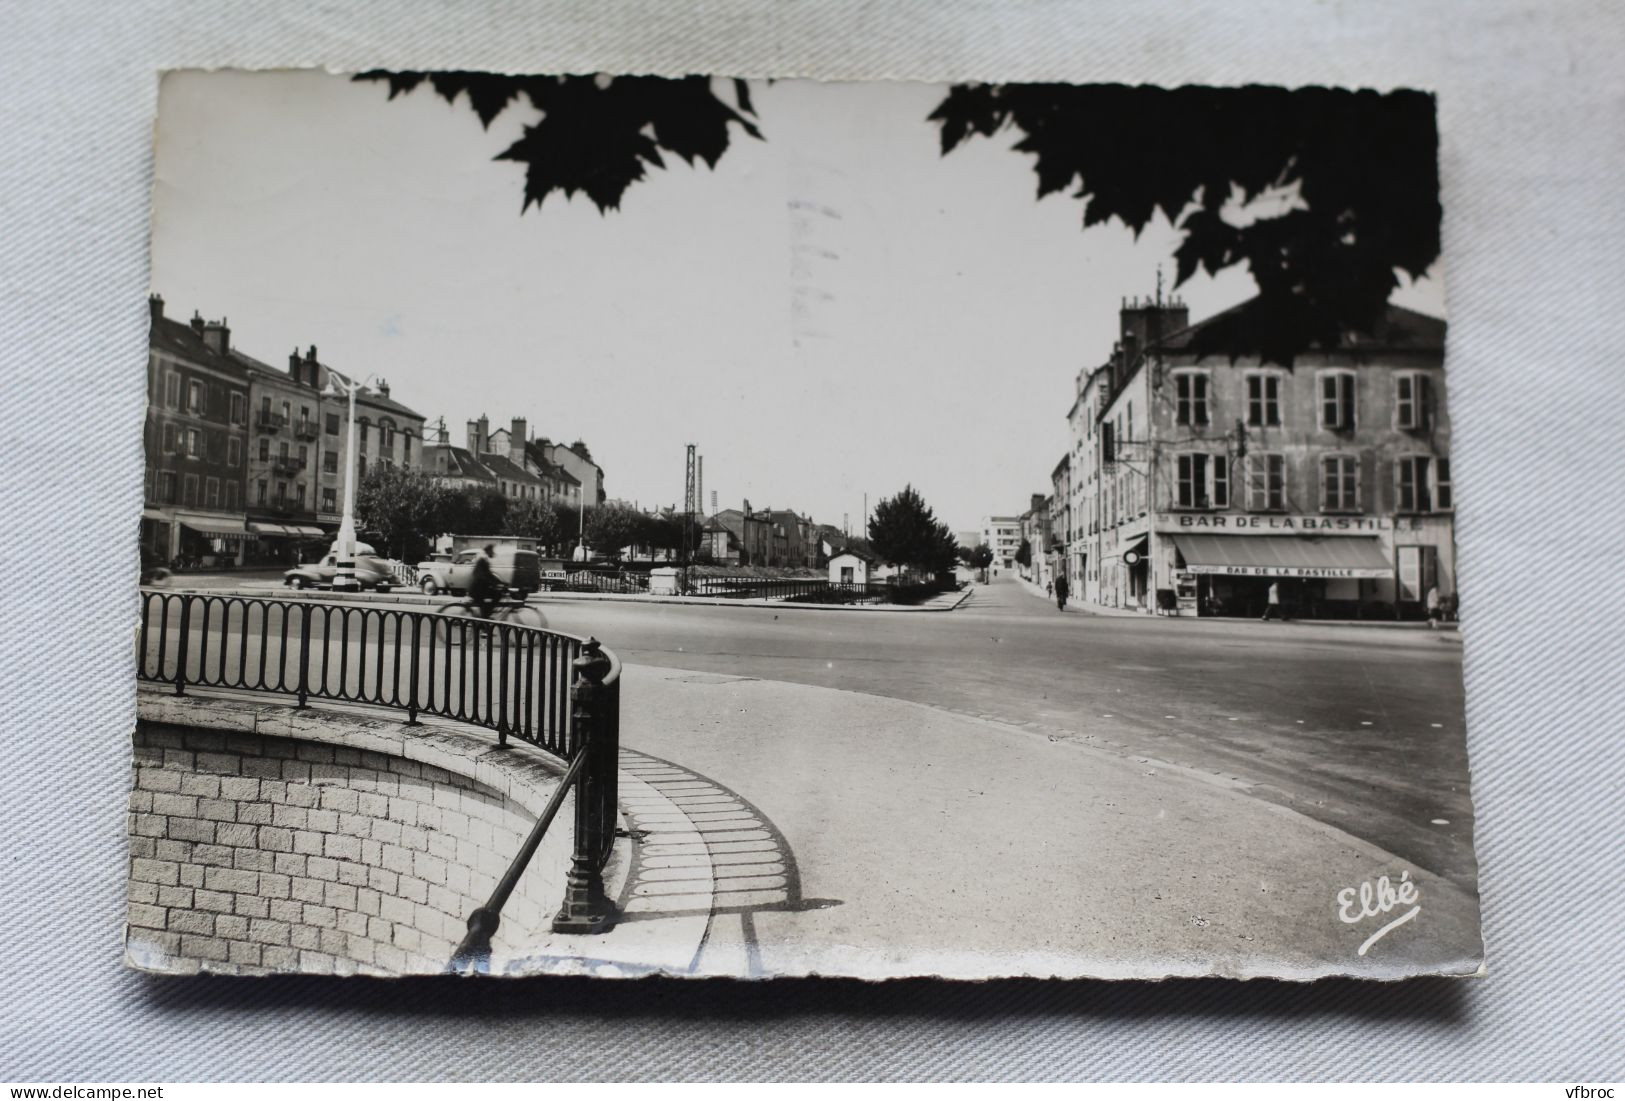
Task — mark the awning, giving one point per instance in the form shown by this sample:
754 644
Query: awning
1284 556
267 528
217 529
1135 547
305 530
154 514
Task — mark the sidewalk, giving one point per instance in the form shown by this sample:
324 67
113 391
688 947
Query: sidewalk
1091 608
847 834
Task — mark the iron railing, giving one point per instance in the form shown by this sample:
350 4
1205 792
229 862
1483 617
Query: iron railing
589 581
555 691
802 590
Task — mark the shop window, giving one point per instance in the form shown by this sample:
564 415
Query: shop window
1412 489
1411 401
234 452
1337 411
1444 498
1266 482
1264 400
239 408
1221 481
1191 398
332 424
1339 483
211 493
1193 491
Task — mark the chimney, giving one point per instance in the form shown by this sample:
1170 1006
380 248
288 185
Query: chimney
197 323
155 307
217 335
295 365
474 436
516 440
383 388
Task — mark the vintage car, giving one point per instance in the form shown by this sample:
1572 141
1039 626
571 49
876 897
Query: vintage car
519 570
371 572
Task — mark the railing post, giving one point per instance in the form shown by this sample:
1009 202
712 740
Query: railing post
586 908
183 646
304 651
412 690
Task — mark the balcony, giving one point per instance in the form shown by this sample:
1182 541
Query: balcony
287 464
307 430
270 422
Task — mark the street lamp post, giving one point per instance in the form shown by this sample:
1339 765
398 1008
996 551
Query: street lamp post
344 580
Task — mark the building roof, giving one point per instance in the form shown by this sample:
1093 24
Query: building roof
1398 329
504 467
460 463
180 339
370 397
536 452
857 551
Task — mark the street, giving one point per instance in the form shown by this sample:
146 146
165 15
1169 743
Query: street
1358 727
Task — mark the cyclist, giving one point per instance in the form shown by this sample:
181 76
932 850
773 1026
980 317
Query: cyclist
484 590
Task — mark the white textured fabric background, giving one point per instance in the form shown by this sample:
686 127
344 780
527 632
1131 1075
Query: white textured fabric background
1533 160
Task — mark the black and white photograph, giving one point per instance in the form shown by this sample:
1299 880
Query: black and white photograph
623 525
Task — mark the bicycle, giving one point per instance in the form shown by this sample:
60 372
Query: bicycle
453 619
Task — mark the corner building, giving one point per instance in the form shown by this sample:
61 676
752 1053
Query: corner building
1218 478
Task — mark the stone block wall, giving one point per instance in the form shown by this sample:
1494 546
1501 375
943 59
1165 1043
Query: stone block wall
251 853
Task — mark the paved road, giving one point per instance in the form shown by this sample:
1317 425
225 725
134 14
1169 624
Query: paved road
1359 727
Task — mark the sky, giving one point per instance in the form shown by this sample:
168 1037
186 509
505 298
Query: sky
835 311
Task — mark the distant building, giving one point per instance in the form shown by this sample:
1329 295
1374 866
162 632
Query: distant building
195 441
1002 535
851 566
285 455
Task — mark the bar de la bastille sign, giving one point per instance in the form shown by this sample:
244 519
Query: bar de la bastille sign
1281 524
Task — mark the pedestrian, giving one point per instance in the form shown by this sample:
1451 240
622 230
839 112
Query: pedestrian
1049 588
1061 591
1272 603
1433 606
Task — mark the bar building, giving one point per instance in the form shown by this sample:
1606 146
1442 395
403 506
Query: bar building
1210 479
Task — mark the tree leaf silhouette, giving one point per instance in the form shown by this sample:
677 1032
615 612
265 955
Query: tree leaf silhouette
1365 165
597 135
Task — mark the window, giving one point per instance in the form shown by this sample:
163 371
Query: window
231 495
299 495
406 449
1266 482
361 466
194 443
172 390
1221 481
304 456
261 497
282 452
1264 400
1193 481
265 408
1190 389
361 434
304 415
332 424
265 449
169 440
1339 483
239 408
166 487
1444 499
1410 401
330 462
234 452
1411 484
211 493
196 398
189 490
329 500
281 494
1337 400
287 413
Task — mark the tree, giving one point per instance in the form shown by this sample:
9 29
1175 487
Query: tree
1024 554
533 519
405 508
612 527
1364 163
979 557
905 532
597 135
477 511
